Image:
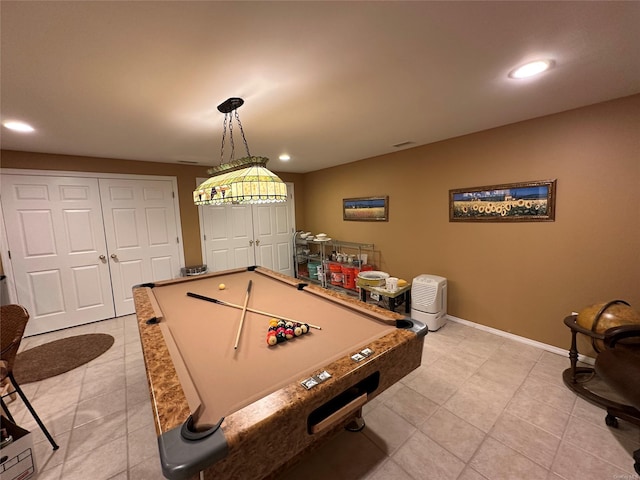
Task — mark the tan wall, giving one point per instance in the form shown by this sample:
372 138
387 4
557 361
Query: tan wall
522 278
186 178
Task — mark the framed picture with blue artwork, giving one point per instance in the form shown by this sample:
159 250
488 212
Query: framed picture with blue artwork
366 209
512 202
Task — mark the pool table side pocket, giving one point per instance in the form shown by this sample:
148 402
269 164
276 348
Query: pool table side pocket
147 308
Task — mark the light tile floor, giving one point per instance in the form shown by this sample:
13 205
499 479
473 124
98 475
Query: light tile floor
481 406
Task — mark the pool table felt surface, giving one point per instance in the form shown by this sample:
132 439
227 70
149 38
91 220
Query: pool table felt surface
224 379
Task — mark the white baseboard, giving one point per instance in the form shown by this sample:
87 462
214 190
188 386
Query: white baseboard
518 338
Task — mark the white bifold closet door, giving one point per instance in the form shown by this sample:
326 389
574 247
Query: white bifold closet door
237 236
77 244
273 230
142 235
227 233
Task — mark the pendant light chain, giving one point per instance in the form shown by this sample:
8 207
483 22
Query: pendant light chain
224 135
228 120
246 145
233 146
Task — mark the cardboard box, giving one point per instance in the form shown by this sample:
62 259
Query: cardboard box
17 459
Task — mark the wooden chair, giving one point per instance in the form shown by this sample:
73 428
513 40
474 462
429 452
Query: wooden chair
13 320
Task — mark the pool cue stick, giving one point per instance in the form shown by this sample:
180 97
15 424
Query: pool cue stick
244 313
234 305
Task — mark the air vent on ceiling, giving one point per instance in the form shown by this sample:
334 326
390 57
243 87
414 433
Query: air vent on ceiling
403 144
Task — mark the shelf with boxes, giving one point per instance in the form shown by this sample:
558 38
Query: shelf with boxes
331 263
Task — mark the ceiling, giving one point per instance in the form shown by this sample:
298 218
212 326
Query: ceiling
326 82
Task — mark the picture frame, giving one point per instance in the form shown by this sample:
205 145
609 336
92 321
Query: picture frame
366 209
512 202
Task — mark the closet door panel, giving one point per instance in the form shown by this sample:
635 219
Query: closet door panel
55 235
52 303
162 267
79 231
227 236
35 228
141 229
273 230
283 257
266 256
84 279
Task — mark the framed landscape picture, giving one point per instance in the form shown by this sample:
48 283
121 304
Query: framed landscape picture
513 202
367 209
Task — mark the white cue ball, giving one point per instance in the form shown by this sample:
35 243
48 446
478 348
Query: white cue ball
222 286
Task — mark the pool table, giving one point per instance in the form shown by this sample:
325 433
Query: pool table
250 411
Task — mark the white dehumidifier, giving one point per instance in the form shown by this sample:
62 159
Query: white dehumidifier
429 300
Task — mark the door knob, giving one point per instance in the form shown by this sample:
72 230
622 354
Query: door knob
257 242
102 257
250 242
114 256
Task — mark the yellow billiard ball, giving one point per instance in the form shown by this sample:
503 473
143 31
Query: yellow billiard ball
222 286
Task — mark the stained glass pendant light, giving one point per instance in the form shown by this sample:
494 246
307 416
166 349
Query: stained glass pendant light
246 180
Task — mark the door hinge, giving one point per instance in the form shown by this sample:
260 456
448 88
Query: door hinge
9 253
205 237
173 194
177 239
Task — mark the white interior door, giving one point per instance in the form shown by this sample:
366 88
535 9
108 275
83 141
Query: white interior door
57 248
142 235
273 227
236 236
227 236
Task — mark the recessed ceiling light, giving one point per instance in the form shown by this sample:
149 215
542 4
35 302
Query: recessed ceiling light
284 157
18 126
530 69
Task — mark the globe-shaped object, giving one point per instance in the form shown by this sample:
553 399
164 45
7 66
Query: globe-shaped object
600 317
